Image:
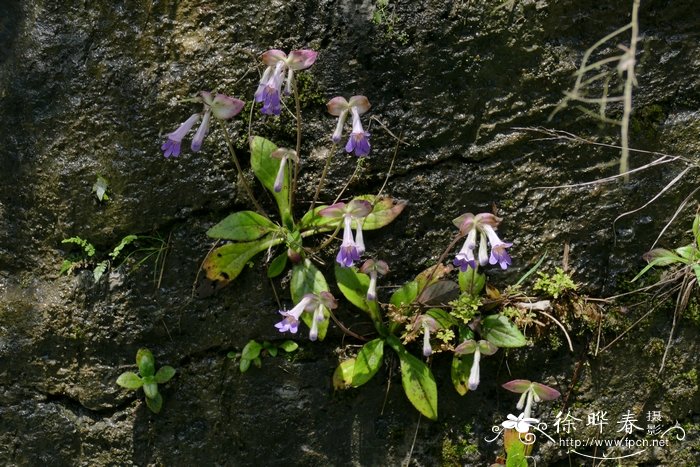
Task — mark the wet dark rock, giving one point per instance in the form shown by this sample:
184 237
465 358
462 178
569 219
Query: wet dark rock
90 88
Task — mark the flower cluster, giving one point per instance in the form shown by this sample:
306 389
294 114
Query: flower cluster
484 225
317 304
359 138
220 106
352 247
270 86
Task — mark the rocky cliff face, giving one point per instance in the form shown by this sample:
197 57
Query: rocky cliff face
88 89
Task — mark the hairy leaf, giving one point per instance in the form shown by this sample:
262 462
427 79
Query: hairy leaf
251 350
419 385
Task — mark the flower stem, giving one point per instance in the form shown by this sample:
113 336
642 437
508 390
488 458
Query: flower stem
352 177
248 191
323 177
298 148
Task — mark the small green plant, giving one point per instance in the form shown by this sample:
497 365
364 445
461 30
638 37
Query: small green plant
85 259
253 351
554 285
149 379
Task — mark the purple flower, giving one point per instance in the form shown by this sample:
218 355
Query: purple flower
291 318
465 257
359 139
484 225
283 154
373 268
498 248
270 85
221 106
355 209
340 108
171 147
316 303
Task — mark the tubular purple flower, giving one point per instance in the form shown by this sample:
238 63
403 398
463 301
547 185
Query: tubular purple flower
323 300
359 139
428 325
340 108
269 91
172 146
465 257
355 209
348 253
270 85
291 318
201 132
498 247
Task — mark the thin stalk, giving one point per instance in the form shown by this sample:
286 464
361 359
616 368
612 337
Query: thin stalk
323 177
629 83
298 148
352 177
229 144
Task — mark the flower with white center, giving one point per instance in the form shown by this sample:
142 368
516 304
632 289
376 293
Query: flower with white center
339 107
312 303
484 225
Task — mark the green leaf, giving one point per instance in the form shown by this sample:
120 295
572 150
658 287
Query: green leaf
368 362
353 285
266 168
164 374
155 404
277 265
87 247
342 376
461 366
99 270
145 362
124 242
696 229
226 262
289 346
129 380
243 226
100 188
244 365
696 270
384 211
66 266
515 455
306 278
405 295
688 252
419 384
251 350
257 362
471 281
444 319
272 351
501 331
150 387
